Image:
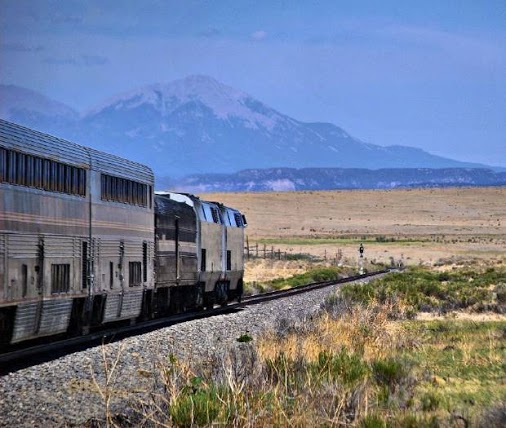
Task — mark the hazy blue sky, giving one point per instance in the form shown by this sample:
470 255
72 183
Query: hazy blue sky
428 73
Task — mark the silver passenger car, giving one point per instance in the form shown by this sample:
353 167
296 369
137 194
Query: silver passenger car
76 236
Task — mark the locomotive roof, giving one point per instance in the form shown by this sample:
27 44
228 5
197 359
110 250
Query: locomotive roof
15 136
167 205
179 197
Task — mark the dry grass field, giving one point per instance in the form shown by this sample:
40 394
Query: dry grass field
420 226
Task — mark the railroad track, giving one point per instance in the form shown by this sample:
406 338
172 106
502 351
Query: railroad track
25 357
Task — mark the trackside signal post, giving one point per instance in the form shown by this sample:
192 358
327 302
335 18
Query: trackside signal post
361 259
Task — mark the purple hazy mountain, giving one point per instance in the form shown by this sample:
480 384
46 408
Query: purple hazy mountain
32 109
199 125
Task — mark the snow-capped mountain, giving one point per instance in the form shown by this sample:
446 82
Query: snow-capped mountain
199 125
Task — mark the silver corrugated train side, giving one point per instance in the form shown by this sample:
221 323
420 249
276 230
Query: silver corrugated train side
72 254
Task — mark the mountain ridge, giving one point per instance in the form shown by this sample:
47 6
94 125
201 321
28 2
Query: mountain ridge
199 125
290 179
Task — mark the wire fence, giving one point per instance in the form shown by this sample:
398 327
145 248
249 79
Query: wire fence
263 251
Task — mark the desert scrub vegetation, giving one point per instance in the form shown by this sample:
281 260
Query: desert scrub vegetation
312 274
359 362
315 273
420 289
358 369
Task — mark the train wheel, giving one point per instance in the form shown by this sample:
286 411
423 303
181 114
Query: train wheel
77 318
199 297
6 324
240 290
208 301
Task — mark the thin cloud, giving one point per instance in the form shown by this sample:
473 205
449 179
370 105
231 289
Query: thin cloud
209 33
259 35
60 61
83 60
91 60
66 19
18 47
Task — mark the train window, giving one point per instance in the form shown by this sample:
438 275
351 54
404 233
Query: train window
53 178
68 179
238 219
84 272
32 171
111 275
229 260
60 278
11 167
74 181
116 189
20 169
24 280
46 174
203 260
62 179
134 273
3 164
129 192
144 261
216 216
37 172
82 182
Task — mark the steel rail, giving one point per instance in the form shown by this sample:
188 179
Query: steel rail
25 357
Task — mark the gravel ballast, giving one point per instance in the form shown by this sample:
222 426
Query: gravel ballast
67 391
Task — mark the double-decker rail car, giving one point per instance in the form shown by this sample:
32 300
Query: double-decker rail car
85 241
76 236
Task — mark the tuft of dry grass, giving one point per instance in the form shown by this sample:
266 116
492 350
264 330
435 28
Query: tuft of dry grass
367 331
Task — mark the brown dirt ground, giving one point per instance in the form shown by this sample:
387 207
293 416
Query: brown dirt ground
441 227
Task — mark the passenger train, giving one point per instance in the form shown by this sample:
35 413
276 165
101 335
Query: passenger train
85 241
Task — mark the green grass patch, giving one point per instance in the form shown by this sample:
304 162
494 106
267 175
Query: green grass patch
423 290
460 364
313 275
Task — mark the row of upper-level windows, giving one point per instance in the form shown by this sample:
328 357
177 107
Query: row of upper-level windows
212 215
131 192
46 174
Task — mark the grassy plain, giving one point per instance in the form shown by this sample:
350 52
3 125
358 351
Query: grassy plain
365 360
431 227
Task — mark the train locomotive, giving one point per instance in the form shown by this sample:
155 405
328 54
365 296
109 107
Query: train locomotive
85 241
